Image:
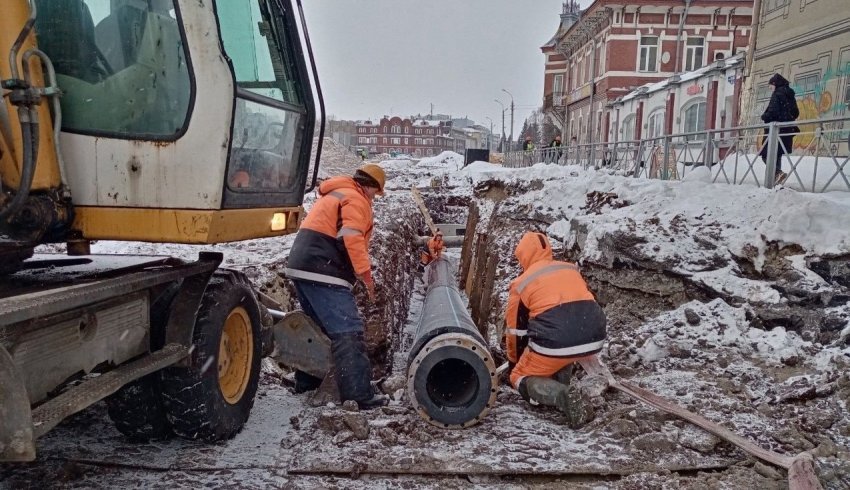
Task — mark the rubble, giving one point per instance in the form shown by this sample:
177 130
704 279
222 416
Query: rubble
730 301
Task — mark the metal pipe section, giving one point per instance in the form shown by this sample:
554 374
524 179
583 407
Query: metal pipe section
451 376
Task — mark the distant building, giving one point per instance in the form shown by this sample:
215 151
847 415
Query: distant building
807 42
614 46
417 137
343 132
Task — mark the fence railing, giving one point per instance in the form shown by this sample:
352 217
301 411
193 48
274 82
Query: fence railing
811 156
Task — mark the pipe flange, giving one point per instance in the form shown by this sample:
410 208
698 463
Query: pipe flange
486 368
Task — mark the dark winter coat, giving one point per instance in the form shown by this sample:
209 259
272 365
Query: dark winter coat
554 144
783 103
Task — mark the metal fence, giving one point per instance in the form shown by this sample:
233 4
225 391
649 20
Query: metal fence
812 155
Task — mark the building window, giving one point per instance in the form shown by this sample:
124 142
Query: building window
417 131
806 84
648 53
406 130
693 119
405 139
655 124
847 87
385 141
694 53
361 139
558 84
396 130
395 141
773 5
628 128
417 141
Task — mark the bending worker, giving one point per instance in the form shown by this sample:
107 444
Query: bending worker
553 321
434 250
330 253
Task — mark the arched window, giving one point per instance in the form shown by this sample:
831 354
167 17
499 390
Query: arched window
693 118
655 123
628 128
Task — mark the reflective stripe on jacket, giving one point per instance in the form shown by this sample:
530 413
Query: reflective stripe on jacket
550 308
332 245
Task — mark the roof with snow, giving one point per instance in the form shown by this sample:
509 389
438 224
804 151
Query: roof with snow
649 88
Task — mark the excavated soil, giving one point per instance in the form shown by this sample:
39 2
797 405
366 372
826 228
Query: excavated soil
753 340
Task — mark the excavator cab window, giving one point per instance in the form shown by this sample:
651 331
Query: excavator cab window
268 154
121 64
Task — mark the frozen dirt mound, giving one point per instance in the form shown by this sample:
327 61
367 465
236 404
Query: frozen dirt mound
731 300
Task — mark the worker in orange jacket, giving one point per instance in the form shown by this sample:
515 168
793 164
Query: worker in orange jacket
435 248
553 321
331 253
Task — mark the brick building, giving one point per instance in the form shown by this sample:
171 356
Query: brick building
614 46
416 137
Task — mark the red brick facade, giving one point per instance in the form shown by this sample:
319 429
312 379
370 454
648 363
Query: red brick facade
597 53
418 138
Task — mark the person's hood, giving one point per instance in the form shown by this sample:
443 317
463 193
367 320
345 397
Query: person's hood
532 248
778 80
336 183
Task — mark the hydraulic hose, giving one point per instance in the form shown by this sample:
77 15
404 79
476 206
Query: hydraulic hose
29 135
16 48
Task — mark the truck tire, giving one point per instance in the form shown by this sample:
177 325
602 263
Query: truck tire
138 412
211 400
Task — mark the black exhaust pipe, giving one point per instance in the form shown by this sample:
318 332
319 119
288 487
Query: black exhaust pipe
451 376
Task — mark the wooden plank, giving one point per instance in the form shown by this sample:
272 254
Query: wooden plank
417 198
487 293
476 278
466 252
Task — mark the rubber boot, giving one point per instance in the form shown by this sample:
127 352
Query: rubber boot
567 399
353 371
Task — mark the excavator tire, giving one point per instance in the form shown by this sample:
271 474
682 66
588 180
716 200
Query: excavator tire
138 412
211 400
137 409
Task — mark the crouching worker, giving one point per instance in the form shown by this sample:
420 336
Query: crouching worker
434 249
330 253
553 321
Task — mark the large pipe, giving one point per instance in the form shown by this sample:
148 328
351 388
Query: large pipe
451 376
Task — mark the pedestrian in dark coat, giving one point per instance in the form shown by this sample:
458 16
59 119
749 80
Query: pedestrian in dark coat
781 108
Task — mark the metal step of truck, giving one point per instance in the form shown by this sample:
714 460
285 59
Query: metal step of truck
49 414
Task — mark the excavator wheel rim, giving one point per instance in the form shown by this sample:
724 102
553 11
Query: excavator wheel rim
236 350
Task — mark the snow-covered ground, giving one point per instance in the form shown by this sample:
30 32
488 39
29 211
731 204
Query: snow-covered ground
737 254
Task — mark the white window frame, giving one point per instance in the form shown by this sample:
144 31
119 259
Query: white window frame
628 128
694 54
558 84
696 103
648 55
395 141
655 123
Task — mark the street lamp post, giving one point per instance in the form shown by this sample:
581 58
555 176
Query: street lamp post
512 116
503 120
490 134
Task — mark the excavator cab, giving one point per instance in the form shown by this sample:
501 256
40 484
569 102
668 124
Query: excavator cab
172 121
181 121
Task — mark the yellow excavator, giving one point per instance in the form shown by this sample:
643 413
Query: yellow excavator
169 121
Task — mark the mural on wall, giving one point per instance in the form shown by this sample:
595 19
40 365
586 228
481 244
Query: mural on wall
819 102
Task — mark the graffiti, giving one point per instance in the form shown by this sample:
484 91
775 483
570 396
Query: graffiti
812 108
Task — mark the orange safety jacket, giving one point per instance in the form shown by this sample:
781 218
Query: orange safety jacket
550 309
332 245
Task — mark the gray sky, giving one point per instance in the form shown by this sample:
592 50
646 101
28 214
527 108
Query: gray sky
379 57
